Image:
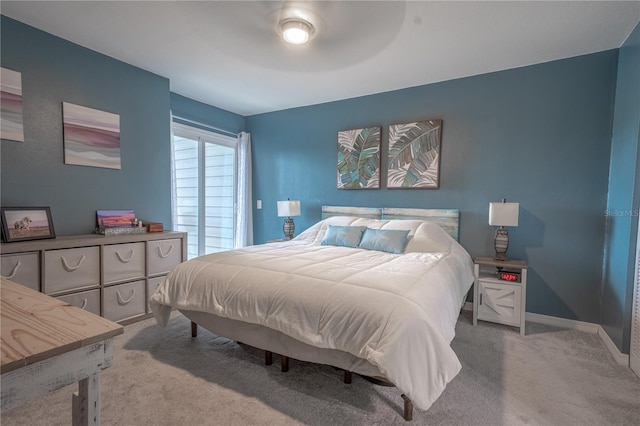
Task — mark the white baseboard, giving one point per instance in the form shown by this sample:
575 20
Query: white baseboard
587 327
622 359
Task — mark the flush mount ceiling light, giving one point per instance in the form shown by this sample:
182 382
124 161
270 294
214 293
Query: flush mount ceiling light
296 30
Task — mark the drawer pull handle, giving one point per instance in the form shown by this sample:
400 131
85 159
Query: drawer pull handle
14 271
480 298
84 304
122 259
162 255
121 301
69 267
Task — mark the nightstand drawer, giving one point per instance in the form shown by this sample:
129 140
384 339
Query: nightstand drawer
499 302
163 256
122 262
22 269
68 269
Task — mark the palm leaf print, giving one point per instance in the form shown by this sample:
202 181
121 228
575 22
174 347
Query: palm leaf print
414 152
359 158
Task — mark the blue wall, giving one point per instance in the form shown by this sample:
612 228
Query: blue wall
624 198
539 135
34 174
184 107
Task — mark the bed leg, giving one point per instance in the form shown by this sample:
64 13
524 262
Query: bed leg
284 363
268 358
347 377
408 408
194 329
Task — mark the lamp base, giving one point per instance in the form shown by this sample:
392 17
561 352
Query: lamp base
501 244
288 228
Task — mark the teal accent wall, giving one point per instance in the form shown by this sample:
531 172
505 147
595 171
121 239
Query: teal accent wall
539 135
623 203
33 172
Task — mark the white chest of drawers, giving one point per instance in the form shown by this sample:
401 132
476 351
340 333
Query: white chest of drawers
112 276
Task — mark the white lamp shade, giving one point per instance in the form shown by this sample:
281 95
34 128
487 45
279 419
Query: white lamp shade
503 214
288 208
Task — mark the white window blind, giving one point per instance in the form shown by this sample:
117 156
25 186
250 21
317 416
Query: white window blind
205 182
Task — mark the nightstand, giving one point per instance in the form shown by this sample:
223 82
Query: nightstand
500 291
279 240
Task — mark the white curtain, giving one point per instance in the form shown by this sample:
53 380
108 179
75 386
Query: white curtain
244 218
174 188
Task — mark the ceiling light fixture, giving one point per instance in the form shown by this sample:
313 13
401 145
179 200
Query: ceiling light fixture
296 30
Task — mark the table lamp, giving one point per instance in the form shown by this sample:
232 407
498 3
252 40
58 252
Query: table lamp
287 209
502 214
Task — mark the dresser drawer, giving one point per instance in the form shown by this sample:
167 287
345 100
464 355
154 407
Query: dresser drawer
152 286
122 262
163 256
87 300
69 269
21 268
124 301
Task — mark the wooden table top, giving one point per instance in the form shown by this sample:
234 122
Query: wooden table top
35 327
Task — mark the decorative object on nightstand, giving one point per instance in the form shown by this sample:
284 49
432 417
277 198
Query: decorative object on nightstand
502 214
500 291
287 209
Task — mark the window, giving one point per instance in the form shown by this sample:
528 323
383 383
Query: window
205 182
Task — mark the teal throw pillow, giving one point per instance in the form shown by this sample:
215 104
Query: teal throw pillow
389 240
347 236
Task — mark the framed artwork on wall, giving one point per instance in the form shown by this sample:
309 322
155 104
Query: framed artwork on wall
26 223
359 158
91 137
414 154
11 105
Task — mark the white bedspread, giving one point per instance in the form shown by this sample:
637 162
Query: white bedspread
396 311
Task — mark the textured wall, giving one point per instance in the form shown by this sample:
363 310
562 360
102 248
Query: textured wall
34 174
539 135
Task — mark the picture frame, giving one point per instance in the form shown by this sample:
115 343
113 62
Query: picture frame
26 223
91 137
358 164
414 155
115 218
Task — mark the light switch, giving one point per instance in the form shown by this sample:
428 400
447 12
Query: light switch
259 204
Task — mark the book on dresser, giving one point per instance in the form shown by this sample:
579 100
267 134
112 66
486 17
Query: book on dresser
112 276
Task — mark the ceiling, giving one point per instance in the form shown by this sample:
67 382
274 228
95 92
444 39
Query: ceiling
229 54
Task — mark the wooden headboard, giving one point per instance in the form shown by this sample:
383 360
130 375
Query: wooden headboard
447 219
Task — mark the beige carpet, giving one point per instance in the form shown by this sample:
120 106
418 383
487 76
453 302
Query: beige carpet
164 377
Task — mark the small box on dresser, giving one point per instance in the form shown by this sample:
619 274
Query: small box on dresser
112 276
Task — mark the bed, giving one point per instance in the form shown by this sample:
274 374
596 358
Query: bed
320 298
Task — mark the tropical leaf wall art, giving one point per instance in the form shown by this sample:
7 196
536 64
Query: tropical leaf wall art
414 154
359 158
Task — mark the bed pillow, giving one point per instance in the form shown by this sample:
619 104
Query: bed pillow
347 236
389 240
430 238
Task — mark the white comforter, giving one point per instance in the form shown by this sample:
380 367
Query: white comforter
396 311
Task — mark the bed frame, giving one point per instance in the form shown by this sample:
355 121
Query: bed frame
272 341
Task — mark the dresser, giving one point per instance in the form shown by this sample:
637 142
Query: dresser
112 276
